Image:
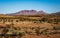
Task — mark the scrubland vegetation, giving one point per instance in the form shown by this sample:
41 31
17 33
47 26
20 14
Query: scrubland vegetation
31 25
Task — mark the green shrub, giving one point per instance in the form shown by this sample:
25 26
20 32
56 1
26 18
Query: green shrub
37 31
45 31
56 28
56 21
21 34
53 33
44 19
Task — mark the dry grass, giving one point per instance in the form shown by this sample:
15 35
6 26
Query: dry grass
28 25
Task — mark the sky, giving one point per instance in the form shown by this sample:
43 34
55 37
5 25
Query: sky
12 6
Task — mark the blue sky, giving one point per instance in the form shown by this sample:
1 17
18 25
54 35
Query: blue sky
12 6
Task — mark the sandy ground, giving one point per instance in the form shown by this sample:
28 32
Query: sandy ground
43 36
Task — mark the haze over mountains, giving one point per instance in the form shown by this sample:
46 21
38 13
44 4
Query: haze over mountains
32 12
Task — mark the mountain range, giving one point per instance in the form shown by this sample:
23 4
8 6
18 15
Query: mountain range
57 13
29 12
33 12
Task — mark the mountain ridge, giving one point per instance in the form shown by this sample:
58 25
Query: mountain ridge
56 13
29 12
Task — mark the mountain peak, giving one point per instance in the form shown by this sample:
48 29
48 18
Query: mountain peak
42 12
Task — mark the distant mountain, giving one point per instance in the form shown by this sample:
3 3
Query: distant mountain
57 13
29 12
